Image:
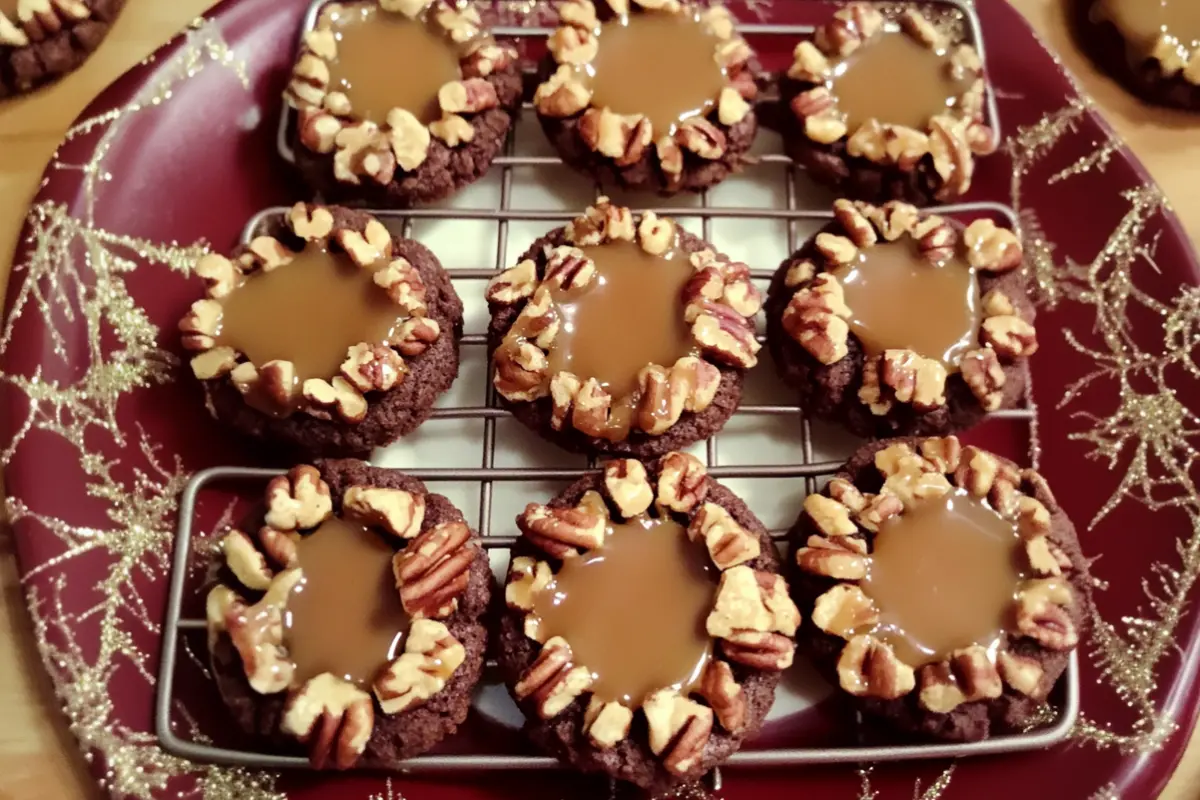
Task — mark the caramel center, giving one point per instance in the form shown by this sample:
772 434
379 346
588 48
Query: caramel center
629 315
900 300
345 616
634 610
897 81
1142 22
944 576
309 312
657 64
387 61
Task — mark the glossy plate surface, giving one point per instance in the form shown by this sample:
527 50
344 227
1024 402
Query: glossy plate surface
102 425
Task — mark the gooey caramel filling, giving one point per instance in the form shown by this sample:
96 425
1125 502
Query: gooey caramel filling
658 64
634 610
897 81
345 616
309 312
629 315
1142 22
385 61
900 300
943 576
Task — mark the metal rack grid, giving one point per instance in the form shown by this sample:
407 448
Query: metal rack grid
487 475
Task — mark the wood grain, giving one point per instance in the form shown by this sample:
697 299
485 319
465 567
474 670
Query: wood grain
38 757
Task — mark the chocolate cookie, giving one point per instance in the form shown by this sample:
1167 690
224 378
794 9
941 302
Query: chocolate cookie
893 322
42 40
943 588
648 95
624 337
329 338
626 653
400 103
1153 49
884 109
382 562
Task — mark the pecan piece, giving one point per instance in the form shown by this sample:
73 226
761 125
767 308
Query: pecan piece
244 560
842 558
431 656
520 373
398 512
299 499
985 377
527 577
562 95
724 695
373 368
869 668
679 729
627 484
1042 613
729 544
682 482
829 516
333 718
964 677
415 336
469 96
513 284
562 532
699 136
843 610
991 248
751 602
568 268
1021 673
606 723
816 317
1009 336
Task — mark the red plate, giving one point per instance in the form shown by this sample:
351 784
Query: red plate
102 427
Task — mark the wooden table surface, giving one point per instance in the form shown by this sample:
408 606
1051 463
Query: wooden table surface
38 757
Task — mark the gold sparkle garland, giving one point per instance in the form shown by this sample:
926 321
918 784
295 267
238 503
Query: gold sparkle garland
70 258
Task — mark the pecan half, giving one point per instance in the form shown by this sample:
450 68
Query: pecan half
751 602
1009 336
398 512
829 516
844 610
513 284
729 544
816 317
562 532
985 377
679 729
682 482
553 681
843 558
964 677
724 695
1042 613
431 656
245 561
433 570
991 248
627 484
299 499
869 668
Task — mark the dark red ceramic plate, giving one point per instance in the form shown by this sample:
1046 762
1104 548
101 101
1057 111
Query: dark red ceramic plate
102 428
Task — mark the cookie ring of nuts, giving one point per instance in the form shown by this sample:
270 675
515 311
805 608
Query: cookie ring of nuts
622 147
833 542
49 30
752 623
438 558
365 157
934 164
1165 71
719 305
899 391
368 368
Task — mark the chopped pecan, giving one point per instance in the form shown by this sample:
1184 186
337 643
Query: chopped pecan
1033 518
837 250
363 150
661 399
1042 613
409 8
829 516
398 512
310 223
679 729
568 268
911 488
729 544
553 681
937 239
655 234
338 394
816 317
606 723
580 13
415 335
627 484
280 546
878 509
905 377
1044 558
942 453
461 22
601 222
725 336
698 135
469 96
431 656
214 363
1009 336
201 324
846 493
843 558
979 470
869 668
297 500
893 219
521 369
985 377
623 138
731 107
844 610
409 139
527 577
453 130
373 367
670 160
513 284
724 695
245 561
858 228
1021 673
809 64
309 83
592 413
918 26
256 632
485 58
367 247
849 27
952 157
991 248
434 569
220 275
562 94
964 677
682 482
749 601
562 532
573 45
333 718
997 304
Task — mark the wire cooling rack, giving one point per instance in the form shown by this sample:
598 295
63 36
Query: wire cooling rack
471 282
